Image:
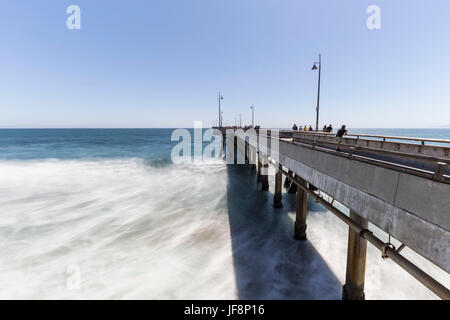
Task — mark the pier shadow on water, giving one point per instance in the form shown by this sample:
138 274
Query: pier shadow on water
268 262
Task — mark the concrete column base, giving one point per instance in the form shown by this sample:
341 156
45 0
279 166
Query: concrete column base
265 182
277 201
300 231
352 292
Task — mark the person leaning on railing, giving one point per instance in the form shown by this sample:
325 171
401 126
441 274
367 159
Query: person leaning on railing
339 136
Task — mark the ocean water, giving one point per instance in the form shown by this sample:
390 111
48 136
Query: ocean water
105 214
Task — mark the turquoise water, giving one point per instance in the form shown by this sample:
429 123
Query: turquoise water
104 213
152 145
149 144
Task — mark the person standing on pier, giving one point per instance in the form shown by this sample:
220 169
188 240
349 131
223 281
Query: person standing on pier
339 136
294 127
329 128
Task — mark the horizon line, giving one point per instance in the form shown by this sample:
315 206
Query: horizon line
143 128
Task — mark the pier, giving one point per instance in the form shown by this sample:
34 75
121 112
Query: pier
399 184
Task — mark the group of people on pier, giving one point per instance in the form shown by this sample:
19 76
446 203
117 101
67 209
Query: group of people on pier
326 128
305 128
339 135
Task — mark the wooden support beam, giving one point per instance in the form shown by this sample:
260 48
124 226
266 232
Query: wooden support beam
356 262
278 188
301 214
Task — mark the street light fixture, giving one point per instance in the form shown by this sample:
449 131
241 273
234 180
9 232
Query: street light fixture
253 115
318 89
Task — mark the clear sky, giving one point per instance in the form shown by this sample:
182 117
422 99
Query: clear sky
161 63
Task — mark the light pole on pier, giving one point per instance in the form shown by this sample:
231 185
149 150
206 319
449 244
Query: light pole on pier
240 120
318 89
220 113
253 115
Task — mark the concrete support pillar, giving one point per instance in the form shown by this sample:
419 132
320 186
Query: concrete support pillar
265 175
235 153
277 196
301 213
253 159
258 173
356 262
246 153
222 149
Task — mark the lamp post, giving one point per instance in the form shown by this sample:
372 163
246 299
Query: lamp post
240 120
220 113
253 115
318 89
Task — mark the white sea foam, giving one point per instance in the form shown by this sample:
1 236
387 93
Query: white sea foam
135 231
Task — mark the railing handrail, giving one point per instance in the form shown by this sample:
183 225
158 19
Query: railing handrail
426 158
357 135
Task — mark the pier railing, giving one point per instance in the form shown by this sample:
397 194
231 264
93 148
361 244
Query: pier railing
420 146
420 159
383 138
428 161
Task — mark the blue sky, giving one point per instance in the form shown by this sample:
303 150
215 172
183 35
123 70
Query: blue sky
161 63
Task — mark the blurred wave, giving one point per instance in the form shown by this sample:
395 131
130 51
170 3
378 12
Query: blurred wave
129 224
